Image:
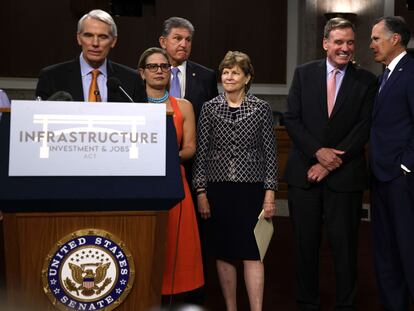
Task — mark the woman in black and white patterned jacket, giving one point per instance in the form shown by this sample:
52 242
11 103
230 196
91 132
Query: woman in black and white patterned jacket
235 176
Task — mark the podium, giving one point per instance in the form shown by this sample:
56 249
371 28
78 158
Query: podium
39 212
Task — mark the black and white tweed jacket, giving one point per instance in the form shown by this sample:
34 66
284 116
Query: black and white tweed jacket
236 150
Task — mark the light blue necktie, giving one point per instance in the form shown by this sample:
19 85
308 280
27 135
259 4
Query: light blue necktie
384 78
175 88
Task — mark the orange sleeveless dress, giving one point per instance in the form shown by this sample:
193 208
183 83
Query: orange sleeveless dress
188 273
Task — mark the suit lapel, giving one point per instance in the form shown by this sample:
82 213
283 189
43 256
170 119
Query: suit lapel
74 78
320 80
393 78
377 101
189 79
395 75
247 108
111 72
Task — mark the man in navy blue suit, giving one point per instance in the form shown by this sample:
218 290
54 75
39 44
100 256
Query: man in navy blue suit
392 163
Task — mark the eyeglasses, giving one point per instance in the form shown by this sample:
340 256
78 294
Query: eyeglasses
165 67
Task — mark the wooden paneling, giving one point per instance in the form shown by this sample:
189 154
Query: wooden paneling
401 10
258 28
41 33
29 237
284 144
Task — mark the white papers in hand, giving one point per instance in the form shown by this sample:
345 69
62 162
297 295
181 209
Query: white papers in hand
263 232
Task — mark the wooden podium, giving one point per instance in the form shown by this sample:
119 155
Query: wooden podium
39 211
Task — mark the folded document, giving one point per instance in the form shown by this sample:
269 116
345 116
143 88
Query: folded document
263 232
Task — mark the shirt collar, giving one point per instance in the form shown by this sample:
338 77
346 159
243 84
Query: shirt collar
330 68
182 67
86 68
391 66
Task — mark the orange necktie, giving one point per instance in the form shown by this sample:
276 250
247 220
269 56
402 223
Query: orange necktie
331 90
94 95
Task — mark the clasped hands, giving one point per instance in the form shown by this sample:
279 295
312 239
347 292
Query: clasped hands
328 160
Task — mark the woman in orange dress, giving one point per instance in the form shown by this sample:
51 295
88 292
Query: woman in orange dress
183 270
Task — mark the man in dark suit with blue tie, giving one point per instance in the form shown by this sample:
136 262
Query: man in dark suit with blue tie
392 163
197 83
328 120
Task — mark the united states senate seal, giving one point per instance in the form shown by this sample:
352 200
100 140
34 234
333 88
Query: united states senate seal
89 269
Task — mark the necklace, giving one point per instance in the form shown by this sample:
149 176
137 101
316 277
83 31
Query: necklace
155 100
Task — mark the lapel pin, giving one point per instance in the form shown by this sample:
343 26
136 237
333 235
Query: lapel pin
193 74
400 69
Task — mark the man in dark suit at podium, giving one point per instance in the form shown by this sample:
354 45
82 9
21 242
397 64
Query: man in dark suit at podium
328 120
85 78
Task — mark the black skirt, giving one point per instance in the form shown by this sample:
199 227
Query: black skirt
235 208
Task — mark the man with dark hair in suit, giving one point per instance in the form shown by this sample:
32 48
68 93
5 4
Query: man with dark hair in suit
392 164
85 77
328 119
197 83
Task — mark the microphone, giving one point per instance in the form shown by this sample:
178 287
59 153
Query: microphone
114 85
97 95
60 96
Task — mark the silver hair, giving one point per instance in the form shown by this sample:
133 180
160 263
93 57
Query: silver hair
176 22
100 16
337 23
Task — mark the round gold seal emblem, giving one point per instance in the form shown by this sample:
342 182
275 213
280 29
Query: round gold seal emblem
89 269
